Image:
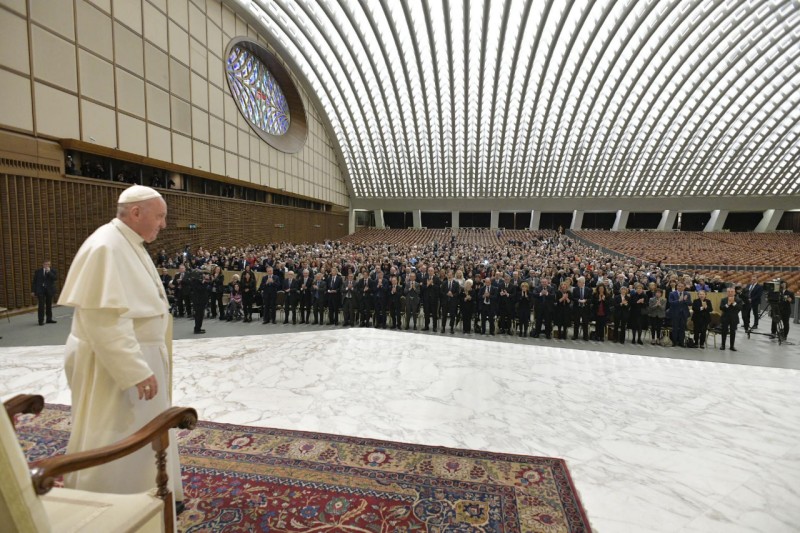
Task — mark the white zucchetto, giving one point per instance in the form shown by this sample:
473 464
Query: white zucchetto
137 193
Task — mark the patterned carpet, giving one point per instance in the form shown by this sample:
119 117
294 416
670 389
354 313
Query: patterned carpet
239 478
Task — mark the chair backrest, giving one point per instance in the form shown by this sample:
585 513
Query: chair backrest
20 508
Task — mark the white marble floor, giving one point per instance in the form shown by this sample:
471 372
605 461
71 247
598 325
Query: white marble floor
653 444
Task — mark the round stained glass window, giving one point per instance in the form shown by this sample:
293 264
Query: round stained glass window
256 91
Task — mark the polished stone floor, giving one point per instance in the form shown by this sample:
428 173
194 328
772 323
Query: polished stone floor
654 443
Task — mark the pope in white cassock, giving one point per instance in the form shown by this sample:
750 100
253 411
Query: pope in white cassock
118 354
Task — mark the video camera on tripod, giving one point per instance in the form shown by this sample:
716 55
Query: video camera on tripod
773 290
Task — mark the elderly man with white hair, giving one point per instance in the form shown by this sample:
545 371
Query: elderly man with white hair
118 354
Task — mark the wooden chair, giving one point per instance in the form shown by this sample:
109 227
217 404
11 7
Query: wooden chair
29 503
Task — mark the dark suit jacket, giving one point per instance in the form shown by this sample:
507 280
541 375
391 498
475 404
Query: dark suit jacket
756 293
587 295
44 284
730 313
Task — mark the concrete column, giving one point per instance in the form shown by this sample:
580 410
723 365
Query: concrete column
417 215
577 220
454 221
351 226
379 219
495 220
535 218
667 220
621 222
770 220
717 220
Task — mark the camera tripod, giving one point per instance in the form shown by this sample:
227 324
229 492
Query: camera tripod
774 314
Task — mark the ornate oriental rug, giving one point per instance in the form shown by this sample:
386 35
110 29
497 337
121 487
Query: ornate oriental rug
242 479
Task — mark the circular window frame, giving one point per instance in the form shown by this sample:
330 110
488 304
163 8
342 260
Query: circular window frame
295 137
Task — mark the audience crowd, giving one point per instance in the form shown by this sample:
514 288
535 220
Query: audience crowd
543 285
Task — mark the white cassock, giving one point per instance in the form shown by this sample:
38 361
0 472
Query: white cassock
120 334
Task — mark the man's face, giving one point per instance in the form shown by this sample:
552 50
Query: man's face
149 218
46 265
731 292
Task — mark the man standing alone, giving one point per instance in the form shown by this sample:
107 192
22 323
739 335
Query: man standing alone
118 362
43 288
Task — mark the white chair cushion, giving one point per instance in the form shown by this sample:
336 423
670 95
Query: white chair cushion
20 508
71 510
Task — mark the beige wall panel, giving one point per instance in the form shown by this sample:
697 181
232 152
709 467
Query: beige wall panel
54 59
232 113
255 148
179 79
160 4
216 71
56 16
178 11
197 58
200 125
197 23
201 4
217 161
231 165
199 91
130 93
155 26
99 124
132 134
215 101
128 49
244 168
214 11
129 13
216 131
15 101
14 42
156 64
159 144
56 112
97 78
16 5
178 43
214 41
157 105
104 5
181 150
94 30
243 143
228 22
200 153
181 116
231 138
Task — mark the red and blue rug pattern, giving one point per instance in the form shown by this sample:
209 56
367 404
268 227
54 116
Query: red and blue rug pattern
242 479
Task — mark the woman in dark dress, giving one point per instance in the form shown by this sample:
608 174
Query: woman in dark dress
524 301
217 284
248 286
563 309
602 304
622 313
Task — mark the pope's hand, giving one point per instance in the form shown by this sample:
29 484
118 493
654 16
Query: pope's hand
147 388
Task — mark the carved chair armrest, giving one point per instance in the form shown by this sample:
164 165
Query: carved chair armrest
24 404
45 471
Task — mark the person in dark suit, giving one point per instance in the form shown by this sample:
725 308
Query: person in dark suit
291 290
487 303
270 284
412 291
755 292
638 314
43 289
200 292
783 311
467 305
730 306
603 306
582 309
179 289
318 294
621 313
379 288
248 288
701 318
544 300
215 298
449 294
349 308
563 309
395 300
364 297
334 297
679 303
524 303
430 298
304 291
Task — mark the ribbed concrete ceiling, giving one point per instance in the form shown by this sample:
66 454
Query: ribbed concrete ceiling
530 98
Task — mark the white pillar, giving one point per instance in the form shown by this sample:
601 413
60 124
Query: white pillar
621 222
351 226
417 215
535 218
717 220
667 220
494 223
769 221
577 220
454 221
379 219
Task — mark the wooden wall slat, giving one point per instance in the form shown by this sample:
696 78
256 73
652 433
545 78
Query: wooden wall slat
43 218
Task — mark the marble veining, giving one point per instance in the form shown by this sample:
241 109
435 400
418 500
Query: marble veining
653 444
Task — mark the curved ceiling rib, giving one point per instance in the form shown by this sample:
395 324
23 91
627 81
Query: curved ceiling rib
564 99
